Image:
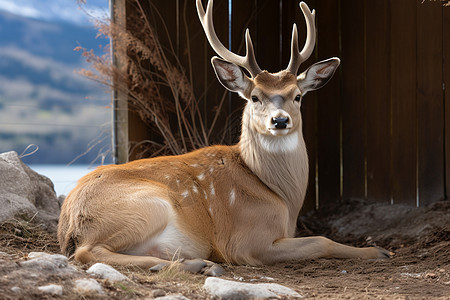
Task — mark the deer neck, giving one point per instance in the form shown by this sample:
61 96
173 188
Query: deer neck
280 162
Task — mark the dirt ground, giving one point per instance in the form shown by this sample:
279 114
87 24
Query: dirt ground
420 268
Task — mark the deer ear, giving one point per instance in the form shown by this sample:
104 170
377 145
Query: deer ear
231 76
317 75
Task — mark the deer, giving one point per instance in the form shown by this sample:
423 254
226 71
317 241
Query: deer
234 204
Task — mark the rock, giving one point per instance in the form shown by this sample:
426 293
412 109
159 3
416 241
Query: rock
226 289
25 194
43 262
158 293
173 297
53 289
106 272
16 289
88 286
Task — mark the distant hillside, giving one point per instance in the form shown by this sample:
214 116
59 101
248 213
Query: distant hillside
42 99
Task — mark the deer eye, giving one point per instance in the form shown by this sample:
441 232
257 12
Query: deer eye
255 99
298 98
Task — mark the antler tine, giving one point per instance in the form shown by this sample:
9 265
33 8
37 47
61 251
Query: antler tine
297 58
248 61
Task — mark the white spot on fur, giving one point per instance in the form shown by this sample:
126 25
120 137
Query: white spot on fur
166 176
213 191
211 170
201 176
210 210
276 144
185 194
232 196
206 195
178 181
195 165
195 189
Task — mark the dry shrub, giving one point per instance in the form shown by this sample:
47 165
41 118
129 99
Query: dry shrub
20 236
156 84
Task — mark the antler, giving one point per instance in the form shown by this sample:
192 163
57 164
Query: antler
248 61
297 58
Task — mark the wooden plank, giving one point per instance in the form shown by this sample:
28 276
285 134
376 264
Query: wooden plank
267 35
119 98
214 90
403 101
353 102
243 17
329 106
378 101
137 129
430 102
193 57
446 53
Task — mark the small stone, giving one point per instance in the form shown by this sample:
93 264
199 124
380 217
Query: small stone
226 289
173 297
16 289
106 272
88 286
343 272
53 289
267 278
158 293
412 275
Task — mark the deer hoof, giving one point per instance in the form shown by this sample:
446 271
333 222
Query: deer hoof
383 253
158 267
193 265
214 270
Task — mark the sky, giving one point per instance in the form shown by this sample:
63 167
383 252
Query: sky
57 10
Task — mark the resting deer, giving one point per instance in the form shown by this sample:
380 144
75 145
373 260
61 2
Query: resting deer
236 204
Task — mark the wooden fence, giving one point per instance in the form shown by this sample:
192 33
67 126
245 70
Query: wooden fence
380 129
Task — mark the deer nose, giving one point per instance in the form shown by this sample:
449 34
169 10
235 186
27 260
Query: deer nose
280 123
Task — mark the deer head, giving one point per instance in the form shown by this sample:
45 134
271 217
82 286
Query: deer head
273 99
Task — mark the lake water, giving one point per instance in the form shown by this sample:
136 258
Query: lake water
64 177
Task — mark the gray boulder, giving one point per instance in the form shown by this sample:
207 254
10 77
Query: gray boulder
25 194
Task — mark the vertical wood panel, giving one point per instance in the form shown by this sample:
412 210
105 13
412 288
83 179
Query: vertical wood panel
430 102
403 101
267 41
329 106
378 101
214 90
243 16
353 109
137 128
446 54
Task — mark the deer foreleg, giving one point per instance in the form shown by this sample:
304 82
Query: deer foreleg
315 247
